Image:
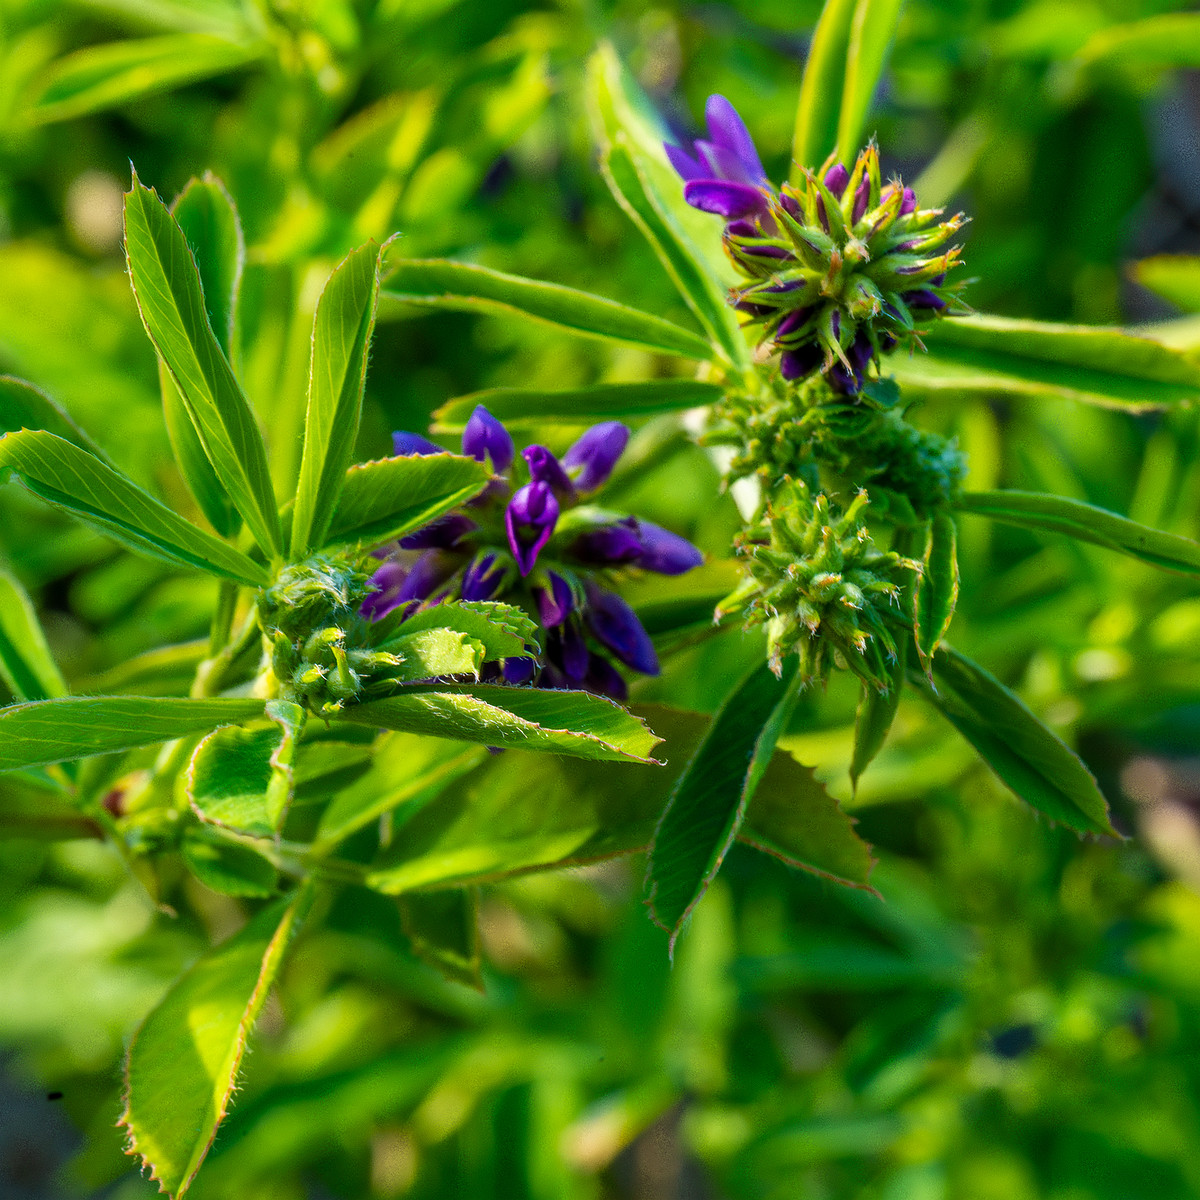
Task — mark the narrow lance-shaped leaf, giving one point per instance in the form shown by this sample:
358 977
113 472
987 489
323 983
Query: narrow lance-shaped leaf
871 32
442 283
171 301
936 592
184 1059
875 715
52 731
822 87
1032 760
23 406
26 663
443 928
709 802
67 476
1174 277
1087 523
341 339
1165 40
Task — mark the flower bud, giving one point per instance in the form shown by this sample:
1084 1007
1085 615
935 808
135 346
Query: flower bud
529 521
591 459
616 625
545 468
485 437
405 443
609 545
440 534
555 603
482 579
664 551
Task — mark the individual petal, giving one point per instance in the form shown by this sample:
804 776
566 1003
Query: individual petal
485 436
609 545
440 534
795 364
603 679
529 520
404 443
591 459
666 552
909 203
400 584
482 579
725 199
793 321
616 625
728 131
862 196
518 670
923 298
555 603
545 468
686 165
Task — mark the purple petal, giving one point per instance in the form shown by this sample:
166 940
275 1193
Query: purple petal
399 584
545 468
728 131
844 381
485 437
728 200
616 625
923 298
795 364
861 197
440 534
609 545
529 520
791 205
567 649
793 321
687 166
404 443
518 670
592 458
836 179
742 229
909 203
666 552
556 603
603 679
482 579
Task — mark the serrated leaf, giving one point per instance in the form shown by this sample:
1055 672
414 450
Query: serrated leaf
23 406
183 1062
26 663
1028 757
341 340
435 652
226 866
1087 523
65 475
52 731
443 928
935 593
104 76
709 803
442 283
530 408
871 32
390 497
822 87
167 287
503 630
1107 367
576 723
241 779
875 715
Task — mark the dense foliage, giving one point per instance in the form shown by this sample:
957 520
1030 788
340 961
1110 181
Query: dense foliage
571 628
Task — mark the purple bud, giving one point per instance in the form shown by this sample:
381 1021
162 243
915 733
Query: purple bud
484 436
529 519
835 324
844 381
567 650
804 360
862 195
836 179
741 228
440 534
609 545
518 670
887 342
752 309
482 579
860 353
909 203
793 321
923 298
791 205
616 625
666 552
686 166
405 443
592 458
603 679
399 585
728 200
545 468
556 603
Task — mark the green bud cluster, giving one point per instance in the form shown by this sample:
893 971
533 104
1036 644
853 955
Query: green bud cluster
822 587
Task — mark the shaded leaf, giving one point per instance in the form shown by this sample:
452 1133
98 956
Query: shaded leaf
23 406
876 712
65 475
183 1062
26 663
226 866
935 593
442 283
1174 277
443 928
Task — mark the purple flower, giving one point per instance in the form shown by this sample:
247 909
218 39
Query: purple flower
592 458
404 443
482 579
556 603
518 670
440 534
567 649
398 584
665 552
485 437
545 468
909 203
862 196
603 679
729 200
529 520
610 544
795 364
616 625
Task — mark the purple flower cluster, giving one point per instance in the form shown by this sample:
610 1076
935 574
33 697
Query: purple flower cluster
533 538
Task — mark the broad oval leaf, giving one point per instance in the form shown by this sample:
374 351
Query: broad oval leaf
63 474
529 408
227 866
341 339
23 406
183 1062
935 593
52 731
1087 523
822 87
170 298
26 663
1073 362
1030 759
443 283
520 718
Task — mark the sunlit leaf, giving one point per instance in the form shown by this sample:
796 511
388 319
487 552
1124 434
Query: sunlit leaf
1174 277
822 87
26 663
871 32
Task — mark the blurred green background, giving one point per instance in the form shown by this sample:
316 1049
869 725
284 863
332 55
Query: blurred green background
1018 1018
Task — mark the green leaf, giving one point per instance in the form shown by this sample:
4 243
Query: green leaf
390 497
822 88
503 630
576 723
709 803
443 928
241 779
442 283
1087 523
227 866
104 76
936 591
1071 362
26 663
67 476
1174 277
871 33
341 340
531 408
23 406
1031 760
170 298
51 731
876 712
183 1062
1167 40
